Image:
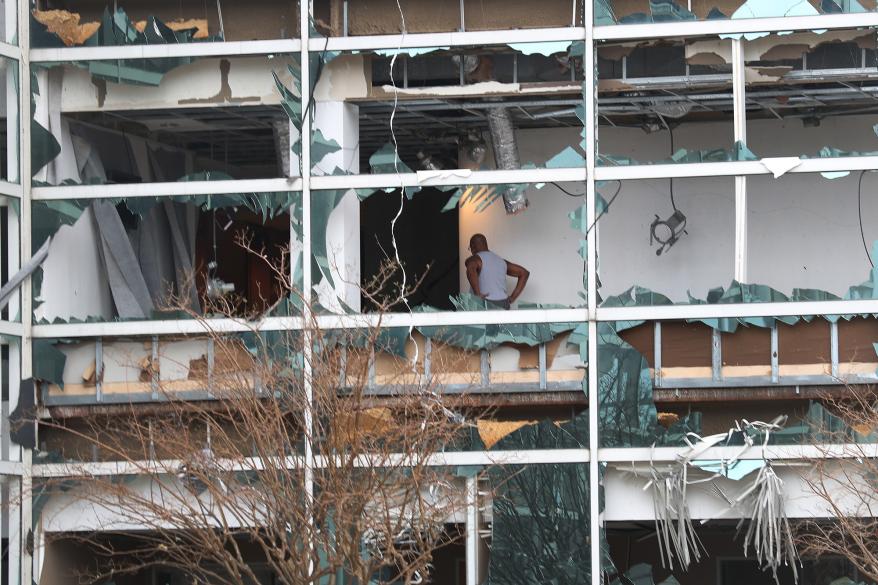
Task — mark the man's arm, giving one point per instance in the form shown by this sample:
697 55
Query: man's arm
521 274
473 266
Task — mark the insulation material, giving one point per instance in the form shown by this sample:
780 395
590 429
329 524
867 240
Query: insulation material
66 26
199 25
773 47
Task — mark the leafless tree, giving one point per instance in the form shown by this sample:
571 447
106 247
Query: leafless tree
293 462
846 483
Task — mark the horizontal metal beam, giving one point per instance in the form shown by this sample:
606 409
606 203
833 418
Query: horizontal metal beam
448 39
449 177
10 51
165 189
11 328
202 49
772 452
10 189
779 309
325 322
453 318
520 457
694 28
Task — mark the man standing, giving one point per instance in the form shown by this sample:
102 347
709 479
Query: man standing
487 272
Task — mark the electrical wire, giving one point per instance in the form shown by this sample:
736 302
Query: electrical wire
606 208
673 150
860 215
566 192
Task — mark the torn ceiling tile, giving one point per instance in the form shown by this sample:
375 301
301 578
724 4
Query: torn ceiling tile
779 166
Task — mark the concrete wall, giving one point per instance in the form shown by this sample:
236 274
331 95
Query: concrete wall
803 229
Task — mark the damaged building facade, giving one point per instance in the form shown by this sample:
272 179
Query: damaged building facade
690 184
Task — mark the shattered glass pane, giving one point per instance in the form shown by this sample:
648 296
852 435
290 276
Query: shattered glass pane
100 122
611 12
9 121
390 250
539 525
11 271
145 23
815 90
665 241
506 107
826 243
167 258
661 103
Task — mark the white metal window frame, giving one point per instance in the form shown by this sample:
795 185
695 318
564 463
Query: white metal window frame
592 314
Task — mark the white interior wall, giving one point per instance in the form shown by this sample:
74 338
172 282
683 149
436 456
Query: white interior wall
803 230
74 283
340 121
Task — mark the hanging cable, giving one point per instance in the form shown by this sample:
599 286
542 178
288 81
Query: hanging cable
860 215
566 192
606 207
671 180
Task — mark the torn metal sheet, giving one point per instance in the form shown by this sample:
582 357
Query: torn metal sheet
17 279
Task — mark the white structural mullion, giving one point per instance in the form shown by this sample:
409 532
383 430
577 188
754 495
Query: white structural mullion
472 530
25 517
591 138
306 9
740 123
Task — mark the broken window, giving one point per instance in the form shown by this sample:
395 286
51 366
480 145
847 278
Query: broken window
665 240
662 102
98 122
339 18
537 525
146 258
140 22
11 271
401 251
826 243
610 12
9 120
815 89
502 107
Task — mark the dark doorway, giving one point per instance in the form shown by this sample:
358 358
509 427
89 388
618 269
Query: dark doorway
427 241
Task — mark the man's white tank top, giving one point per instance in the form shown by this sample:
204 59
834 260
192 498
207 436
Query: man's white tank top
492 277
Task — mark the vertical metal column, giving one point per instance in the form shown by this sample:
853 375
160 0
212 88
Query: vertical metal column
657 353
306 10
472 530
739 102
590 97
24 519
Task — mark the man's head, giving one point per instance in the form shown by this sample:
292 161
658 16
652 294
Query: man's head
478 243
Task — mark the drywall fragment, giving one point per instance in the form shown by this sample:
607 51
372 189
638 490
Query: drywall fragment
835 174
198 24
66 25
779 166
89 375
425 177
547 48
